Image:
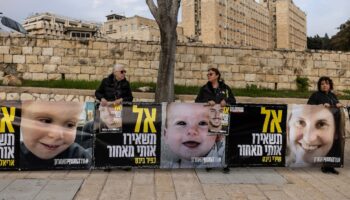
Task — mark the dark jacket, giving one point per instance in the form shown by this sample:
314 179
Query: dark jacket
30 161
208 93
111 89
321 98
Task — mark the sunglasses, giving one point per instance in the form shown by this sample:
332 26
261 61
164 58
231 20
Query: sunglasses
210 74
122 71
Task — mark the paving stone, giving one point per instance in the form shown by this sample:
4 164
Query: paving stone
59 190
4 183
144 177
164 182
23 189
166 195
92 186
213 176
145 192
241 175
215 191
39 174
118 185
187 185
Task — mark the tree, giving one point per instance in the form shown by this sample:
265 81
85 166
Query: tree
165 13
341 41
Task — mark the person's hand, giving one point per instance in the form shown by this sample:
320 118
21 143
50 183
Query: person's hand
104 102
211 103
339 105
327 105
223 103
118 101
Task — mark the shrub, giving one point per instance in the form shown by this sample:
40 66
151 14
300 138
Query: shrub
302 83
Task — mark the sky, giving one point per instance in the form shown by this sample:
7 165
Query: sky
323 16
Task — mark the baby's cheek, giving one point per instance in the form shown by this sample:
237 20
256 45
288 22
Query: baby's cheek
70 136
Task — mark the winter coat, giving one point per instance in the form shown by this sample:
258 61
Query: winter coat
321 98
111 89
208 93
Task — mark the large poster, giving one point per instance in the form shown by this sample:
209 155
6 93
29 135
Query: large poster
52 137
132 140
315 136
257 135
194 136
9 134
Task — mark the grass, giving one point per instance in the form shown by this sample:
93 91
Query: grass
250 91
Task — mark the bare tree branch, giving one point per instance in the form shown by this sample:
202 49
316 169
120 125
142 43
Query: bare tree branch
153 8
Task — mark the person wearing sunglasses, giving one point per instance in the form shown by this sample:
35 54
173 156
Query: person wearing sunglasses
115 88
215 91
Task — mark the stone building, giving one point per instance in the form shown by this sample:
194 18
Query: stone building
134 28
55 25
263 24
288 24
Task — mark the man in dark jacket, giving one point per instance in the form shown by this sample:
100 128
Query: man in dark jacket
115 88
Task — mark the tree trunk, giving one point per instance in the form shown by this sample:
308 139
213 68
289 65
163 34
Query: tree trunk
165 80
166 17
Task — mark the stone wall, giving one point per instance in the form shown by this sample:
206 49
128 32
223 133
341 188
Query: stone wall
46 58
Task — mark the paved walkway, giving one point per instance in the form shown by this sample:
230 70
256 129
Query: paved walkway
241 183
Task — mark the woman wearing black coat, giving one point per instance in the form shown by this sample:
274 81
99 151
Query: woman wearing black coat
215 91
326 97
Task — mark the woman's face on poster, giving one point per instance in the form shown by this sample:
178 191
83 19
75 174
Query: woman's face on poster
311 132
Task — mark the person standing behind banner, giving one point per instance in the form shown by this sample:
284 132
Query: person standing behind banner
115 88
326 97
215 91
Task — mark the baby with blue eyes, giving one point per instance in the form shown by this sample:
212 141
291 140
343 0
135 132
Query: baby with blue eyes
186 131
48 131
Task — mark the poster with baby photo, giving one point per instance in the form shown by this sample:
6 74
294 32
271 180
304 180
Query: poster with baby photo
56 135
186 142
315 135
257 135
10 114
110 118
139 143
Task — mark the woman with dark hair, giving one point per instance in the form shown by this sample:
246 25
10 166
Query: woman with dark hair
215 91
326 97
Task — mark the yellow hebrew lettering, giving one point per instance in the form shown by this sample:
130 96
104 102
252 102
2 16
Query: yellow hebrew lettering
276 120
7 119
139 117
149 121
267 119
226 110
118 108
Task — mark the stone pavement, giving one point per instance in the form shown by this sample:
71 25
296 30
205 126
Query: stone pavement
241 183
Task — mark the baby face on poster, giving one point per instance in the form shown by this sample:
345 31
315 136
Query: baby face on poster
49 128
186 131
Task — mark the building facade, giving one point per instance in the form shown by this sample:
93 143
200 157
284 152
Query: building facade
263 24
134 28
55 25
